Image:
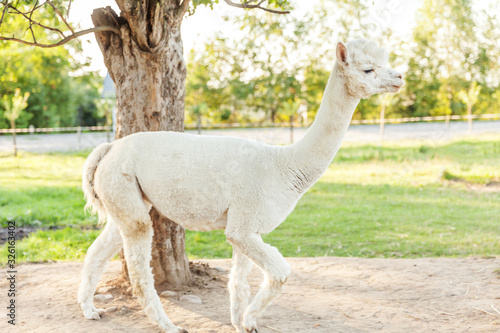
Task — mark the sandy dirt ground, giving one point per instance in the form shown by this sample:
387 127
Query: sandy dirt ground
322 295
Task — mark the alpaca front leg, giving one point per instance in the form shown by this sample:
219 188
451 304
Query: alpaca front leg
276 271
239 289
137 247
99 253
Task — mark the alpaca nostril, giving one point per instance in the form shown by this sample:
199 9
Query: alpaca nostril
399 76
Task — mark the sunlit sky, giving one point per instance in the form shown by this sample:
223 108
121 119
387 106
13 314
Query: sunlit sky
397 14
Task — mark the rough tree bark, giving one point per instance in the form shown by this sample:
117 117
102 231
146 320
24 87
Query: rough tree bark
146 63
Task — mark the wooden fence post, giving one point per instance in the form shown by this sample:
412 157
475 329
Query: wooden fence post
78 137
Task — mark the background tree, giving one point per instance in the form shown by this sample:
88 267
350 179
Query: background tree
449 52
142 51
384 101
204 89
58 84
252 71
470 98
14 105
270 61
105 109
454 43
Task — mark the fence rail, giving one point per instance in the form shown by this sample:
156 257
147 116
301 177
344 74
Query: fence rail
426 119
357 122
80 129
33 130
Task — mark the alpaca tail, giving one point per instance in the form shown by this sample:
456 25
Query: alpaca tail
94 204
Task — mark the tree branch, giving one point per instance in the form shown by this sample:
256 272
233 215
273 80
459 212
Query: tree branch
182 9
246 5
34 22
31 22
60 15
67 39
32 9
6 5
69 8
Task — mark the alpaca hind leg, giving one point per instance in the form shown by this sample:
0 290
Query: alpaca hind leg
99 253
276 271
137 246
239 289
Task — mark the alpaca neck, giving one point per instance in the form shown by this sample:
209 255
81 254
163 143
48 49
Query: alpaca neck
312 155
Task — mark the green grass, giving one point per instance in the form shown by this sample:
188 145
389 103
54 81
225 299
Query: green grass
390 221
62 244
406 199
42 190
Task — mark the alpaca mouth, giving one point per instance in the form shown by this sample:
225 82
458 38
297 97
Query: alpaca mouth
396 87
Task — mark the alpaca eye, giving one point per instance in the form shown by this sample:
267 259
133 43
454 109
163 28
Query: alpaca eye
368 71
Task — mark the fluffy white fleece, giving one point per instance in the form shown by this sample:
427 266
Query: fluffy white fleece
205 183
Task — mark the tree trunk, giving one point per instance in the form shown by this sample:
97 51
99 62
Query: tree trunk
273 116
146 63
198 124
13 126
382 121
469 118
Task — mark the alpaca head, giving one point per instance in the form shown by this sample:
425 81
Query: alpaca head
363 65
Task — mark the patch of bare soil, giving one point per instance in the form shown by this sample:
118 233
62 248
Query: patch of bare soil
322 295
21 232
492 186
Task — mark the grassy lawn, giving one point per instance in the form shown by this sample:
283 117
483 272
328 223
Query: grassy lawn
43 190
405 199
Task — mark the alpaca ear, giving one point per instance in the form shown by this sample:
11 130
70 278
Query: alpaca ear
342 54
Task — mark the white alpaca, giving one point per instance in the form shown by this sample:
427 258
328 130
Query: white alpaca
206 183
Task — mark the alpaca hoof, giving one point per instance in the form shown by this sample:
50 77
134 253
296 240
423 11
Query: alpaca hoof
250 325
182 330
251 330
92 315
90 312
